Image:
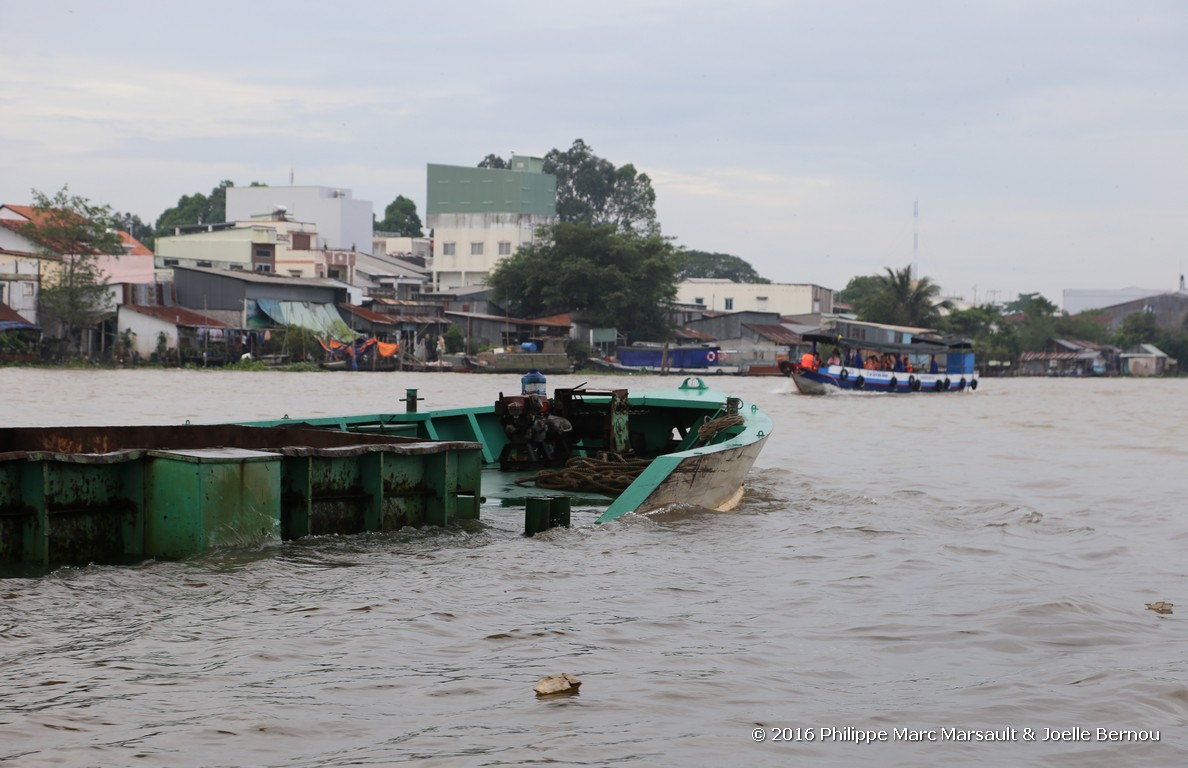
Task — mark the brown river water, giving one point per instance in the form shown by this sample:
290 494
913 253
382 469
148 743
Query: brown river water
912 580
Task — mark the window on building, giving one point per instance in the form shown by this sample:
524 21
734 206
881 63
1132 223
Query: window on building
294 273
448 249
205 264
476 249
170 262
698 299
505 248
760 303
263 267
300 241
236 267
729 304
263 253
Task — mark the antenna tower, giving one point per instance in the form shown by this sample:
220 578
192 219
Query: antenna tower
915 239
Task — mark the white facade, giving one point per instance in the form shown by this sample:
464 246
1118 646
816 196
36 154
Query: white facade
468 245
721 295
20 278
267 245
342 223
401 247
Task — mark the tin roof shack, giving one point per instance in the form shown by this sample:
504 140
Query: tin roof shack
501 331
1068 357
179 335
255 300
748 338
1146 360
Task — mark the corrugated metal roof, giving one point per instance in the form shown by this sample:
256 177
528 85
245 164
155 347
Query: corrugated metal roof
508 320
368 315
271 278
774 333
178 316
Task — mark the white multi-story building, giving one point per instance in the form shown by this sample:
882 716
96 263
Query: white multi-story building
271 244
342 223
481 215
721 295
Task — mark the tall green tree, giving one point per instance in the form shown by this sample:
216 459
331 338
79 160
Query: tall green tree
591 190
401 217
494 161
1038 320
619 279
131 223
198 209
1139 328
993 336
73 232
693 264
896 298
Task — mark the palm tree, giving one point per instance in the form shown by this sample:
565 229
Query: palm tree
901 300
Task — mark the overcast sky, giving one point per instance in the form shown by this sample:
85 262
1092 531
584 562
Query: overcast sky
1046 141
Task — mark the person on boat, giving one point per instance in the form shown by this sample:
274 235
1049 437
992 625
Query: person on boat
872 363
932 366
857 361
899 367
807 362
833 358
907 365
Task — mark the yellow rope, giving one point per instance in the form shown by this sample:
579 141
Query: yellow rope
714 426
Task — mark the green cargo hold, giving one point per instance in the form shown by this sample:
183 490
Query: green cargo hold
114 494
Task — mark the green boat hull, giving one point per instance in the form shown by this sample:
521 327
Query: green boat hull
704 472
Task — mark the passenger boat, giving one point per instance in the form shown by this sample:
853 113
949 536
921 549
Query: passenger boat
923 365
104 494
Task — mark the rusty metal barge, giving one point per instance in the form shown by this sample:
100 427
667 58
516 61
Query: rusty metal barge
104 494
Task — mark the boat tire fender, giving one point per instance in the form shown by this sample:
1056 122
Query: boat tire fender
893 383
844 374
961 384
913 384
973 384
947 384
859 381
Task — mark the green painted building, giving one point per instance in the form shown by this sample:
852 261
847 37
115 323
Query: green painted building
481 215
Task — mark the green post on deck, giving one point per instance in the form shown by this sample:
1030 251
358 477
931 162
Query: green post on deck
544 512
559 511
537 514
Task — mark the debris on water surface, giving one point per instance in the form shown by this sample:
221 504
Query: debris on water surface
562 683
1160 607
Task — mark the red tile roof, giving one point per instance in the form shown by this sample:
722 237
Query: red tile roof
138 248
10 315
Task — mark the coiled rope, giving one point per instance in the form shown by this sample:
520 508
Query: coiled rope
608 473
714 426
611 473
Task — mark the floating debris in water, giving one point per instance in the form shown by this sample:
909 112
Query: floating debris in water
1160 607
562 683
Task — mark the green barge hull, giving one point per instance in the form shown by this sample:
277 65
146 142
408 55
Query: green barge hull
111 494
687 464
123 493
